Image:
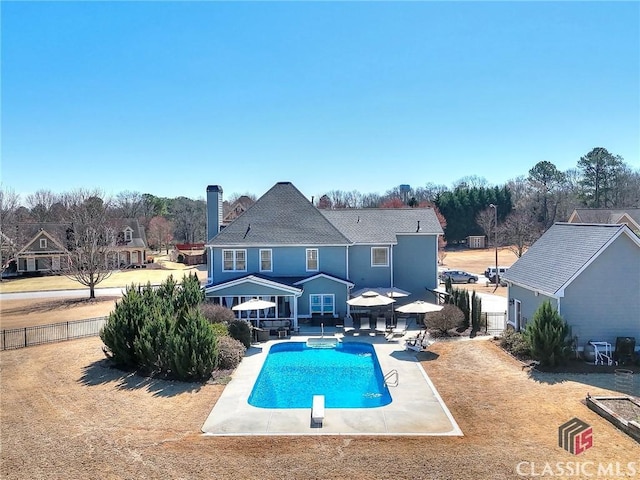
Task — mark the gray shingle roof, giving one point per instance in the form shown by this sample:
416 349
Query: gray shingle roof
606 215
282 216
559 254
375 225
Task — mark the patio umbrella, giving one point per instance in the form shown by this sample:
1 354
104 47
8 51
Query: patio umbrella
419 306
393 292
370 299
253 304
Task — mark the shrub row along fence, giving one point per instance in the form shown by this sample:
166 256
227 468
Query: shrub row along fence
56 332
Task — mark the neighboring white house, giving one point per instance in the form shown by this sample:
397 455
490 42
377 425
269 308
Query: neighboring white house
591 275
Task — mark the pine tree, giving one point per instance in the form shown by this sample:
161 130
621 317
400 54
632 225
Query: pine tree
546 336
123 328
190 295
192 347
152 344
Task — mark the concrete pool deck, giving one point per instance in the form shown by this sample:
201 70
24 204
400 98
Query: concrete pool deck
416 407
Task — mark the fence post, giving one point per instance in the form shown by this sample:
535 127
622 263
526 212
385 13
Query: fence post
67 330
25 337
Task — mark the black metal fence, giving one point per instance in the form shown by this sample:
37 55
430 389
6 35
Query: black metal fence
56 332
493 323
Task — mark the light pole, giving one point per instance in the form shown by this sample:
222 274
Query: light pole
495 237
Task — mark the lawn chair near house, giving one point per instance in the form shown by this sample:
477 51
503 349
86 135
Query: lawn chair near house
419 343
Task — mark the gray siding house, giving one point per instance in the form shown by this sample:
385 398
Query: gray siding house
589 272
307 261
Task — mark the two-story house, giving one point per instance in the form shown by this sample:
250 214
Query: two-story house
307 261
46 250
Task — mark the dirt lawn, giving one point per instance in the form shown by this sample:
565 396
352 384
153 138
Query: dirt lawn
66 415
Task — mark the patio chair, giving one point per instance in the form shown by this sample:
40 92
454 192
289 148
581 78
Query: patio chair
347 326
399 330
419 343
381 326
365 325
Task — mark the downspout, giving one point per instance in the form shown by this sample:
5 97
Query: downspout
391 263
210 261
346 254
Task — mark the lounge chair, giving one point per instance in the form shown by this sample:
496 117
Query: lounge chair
381 326
399 330
365 325
347 327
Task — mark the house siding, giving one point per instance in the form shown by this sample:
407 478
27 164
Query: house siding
529 303
323 286
362 274
415 266
600 302
286 262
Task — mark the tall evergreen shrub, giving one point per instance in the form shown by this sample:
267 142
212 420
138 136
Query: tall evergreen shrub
193 347
123 328
547 336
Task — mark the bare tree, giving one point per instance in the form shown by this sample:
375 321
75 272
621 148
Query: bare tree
9 204
42 204
129 204
338 199
189 218
471 181
90 238
519 230
160 232
486 221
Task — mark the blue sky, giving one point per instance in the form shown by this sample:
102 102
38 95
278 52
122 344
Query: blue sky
169 97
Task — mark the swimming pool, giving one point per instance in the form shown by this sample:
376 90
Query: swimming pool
349 376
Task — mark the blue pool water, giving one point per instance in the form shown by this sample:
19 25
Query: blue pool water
349 376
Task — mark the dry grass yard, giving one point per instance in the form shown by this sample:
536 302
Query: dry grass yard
66 415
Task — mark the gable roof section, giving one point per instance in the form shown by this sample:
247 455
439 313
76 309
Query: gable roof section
257 280
57 245
282 216
383 225
564 250
606 215
138 234
333 278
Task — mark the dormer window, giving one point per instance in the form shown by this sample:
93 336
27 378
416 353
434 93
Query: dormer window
128 234
43 243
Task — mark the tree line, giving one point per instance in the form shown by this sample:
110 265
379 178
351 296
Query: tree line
524 206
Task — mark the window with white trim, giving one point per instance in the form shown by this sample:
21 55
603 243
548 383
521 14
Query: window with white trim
234 260
43 243
266 262
379 256
312 259
128 234
323 304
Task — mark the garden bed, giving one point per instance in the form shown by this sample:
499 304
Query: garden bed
623 412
